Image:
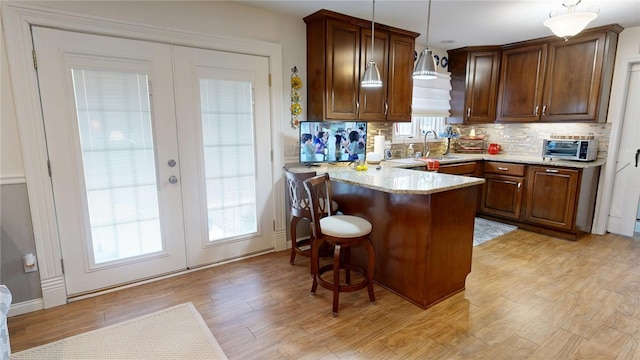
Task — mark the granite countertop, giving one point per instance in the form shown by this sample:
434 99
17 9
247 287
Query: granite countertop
531 160
393 179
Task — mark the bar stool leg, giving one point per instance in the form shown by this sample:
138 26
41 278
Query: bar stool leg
370 268
336 278
315 262
294 243
347 260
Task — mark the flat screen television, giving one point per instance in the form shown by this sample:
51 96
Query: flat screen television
332 141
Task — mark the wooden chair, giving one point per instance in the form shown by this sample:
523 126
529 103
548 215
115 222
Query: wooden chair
343 232
300 209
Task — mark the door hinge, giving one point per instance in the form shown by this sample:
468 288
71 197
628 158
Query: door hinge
274 225
62 265
35 59
49 167
271 155
269 80
150 89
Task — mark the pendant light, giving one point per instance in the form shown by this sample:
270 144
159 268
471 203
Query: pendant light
371 76
426 66
572 22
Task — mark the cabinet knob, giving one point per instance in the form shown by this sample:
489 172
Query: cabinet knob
544 110
536 111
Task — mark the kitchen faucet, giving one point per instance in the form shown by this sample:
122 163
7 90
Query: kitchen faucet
425 149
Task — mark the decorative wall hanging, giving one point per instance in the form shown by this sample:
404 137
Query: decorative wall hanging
296 108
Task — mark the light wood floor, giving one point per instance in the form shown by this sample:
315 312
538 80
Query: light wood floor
528 297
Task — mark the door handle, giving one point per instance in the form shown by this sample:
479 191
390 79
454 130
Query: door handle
173 179
637 155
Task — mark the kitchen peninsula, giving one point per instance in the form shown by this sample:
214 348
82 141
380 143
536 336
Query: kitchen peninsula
422 226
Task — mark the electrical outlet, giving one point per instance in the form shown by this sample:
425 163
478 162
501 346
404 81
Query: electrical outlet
30 263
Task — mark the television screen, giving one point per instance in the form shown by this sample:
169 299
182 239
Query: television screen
332 141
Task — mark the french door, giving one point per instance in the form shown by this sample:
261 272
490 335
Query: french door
154 157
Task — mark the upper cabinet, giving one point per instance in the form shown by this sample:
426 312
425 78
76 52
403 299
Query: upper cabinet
546 79
555 80
474 84
338 49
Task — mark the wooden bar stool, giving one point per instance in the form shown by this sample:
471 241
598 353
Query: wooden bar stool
343 232
299 208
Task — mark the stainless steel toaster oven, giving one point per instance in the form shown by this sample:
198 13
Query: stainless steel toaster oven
569 149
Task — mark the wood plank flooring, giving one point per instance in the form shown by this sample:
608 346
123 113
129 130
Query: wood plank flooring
528 296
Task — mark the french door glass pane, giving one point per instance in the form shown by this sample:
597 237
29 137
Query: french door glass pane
116 140
229 159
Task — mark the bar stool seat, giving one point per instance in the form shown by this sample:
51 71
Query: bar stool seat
343 232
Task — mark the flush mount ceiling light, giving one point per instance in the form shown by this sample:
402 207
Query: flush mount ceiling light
570 23
371 76
426 66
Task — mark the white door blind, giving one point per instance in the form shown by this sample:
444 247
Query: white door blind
431 98
114 122
228 141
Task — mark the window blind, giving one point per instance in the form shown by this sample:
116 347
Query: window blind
431 98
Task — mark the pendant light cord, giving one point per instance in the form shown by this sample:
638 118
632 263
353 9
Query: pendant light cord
428 23
373 34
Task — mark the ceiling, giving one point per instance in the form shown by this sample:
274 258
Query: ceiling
456 23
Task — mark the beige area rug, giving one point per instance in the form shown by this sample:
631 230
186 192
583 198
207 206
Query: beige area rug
485 230
178 332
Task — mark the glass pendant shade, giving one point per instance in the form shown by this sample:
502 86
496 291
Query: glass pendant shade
371 76
569 24
426 66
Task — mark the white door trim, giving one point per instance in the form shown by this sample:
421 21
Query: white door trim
616 118
17 19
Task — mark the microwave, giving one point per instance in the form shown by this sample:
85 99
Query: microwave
567 149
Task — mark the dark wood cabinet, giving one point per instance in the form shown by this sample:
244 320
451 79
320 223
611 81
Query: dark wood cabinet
474 84
555 80
503 190
573 79
472 168
338 48
521 83
551 196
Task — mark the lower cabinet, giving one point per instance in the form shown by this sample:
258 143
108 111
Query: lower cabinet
551 196
552 200
503 189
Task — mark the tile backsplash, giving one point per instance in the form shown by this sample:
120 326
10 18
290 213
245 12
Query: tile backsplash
515 139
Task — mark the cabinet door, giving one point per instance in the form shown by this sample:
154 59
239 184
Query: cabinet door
373 101
551 196
481 87
400 78
573 79
342 61
502 196
521 83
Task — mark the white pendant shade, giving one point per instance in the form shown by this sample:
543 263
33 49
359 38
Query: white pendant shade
371 76
426 66
569 24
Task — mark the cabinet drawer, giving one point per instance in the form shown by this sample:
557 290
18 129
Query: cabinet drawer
492 167
467 168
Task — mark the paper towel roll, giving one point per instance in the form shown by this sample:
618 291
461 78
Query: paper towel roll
378 145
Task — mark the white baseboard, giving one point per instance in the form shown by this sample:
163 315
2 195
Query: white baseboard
26 307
